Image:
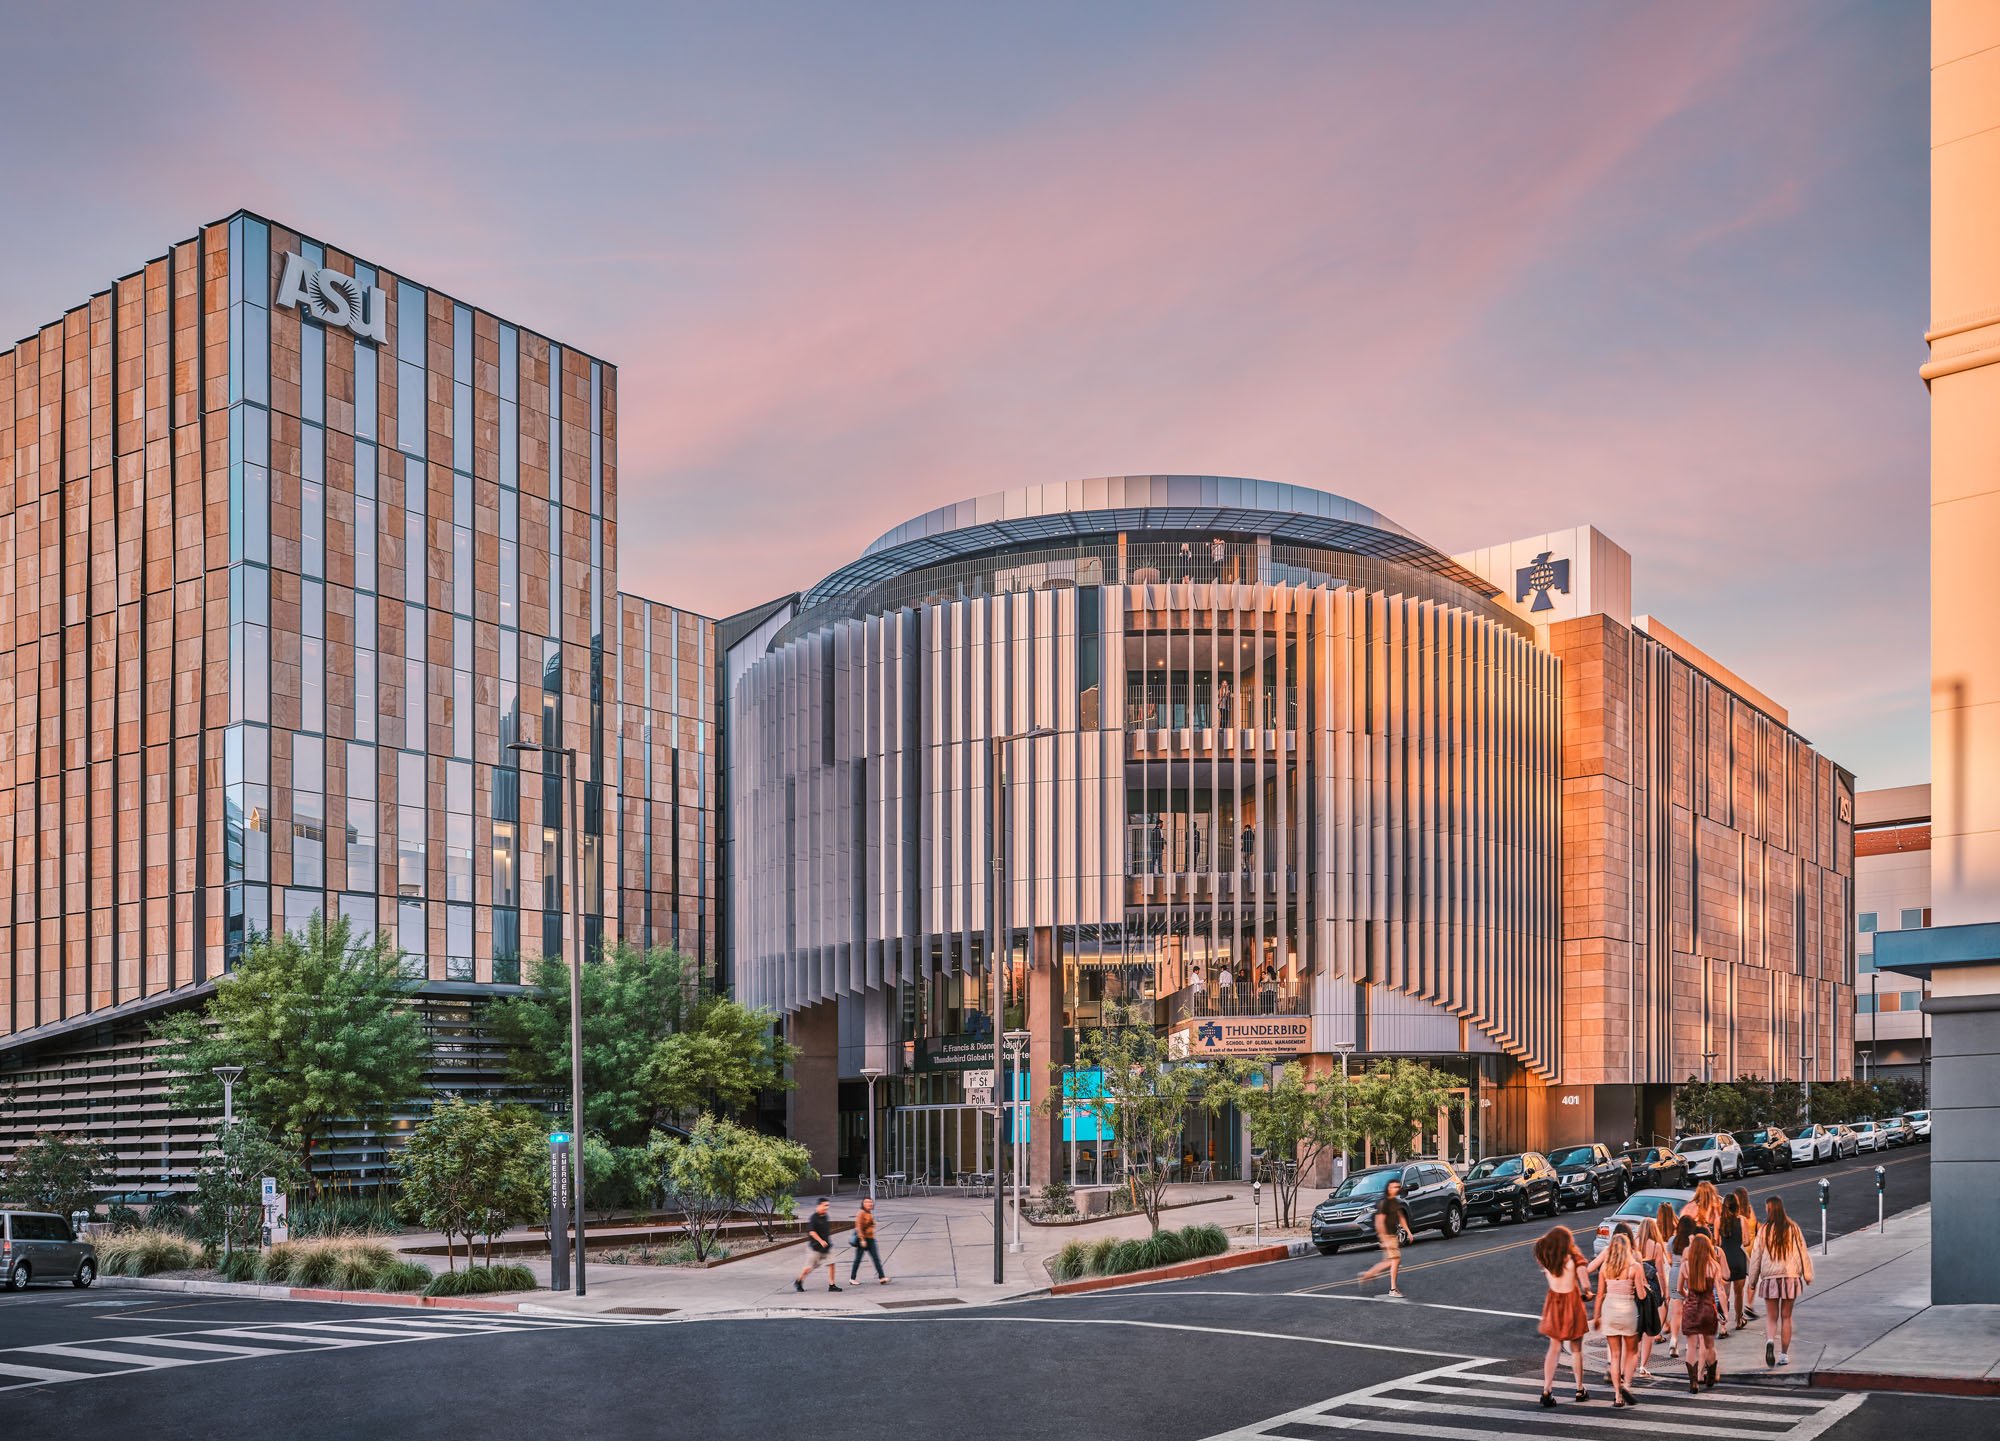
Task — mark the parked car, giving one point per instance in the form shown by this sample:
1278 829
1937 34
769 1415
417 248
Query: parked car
1642 1206
1767 1149
1714 1156
1845 1141
1814 1142
1588 1175
1894 1130
1512 1188
1866 1136
1653 1166
40 1246
1431 1191
1920 1124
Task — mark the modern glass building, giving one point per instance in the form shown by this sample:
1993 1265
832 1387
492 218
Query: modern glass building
292 548
1259 761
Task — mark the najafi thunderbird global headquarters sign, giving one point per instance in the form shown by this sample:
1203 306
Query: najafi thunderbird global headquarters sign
1242 1036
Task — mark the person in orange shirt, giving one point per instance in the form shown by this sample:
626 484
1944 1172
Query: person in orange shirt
864 1243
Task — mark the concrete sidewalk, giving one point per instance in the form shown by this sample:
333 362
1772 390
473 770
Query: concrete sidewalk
937 1250
1867 1322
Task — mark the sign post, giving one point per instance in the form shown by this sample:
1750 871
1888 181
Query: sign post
276 1225
559 1189
978 1087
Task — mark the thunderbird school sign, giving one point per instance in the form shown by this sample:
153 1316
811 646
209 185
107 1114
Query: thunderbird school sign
1538 577
1243 1036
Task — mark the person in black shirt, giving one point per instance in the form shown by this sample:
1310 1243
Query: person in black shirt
819 1246
1392 1224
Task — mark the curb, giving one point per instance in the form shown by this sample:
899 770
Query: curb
1251 1256
1909 1385
250 1291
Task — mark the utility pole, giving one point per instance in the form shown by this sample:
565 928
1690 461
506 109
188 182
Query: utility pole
229 1076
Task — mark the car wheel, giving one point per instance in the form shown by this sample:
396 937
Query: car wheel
1454 1222
1555 1204
18 1278
1590 1197
1520 1216
1333 1250
85 1274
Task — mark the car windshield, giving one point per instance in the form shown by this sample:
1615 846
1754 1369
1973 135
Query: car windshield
1574 1156
1920 1115
1640 1205
1651 1153
1698 1143
1857 1126
1511 1166
1760 1137
1368 1183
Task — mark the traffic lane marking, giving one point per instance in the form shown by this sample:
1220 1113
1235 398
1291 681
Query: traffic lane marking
1304 1415
1322 1295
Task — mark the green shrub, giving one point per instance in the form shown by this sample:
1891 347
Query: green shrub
275 1267
1208 1240
315 1266
242 1266
1128 1256
1070 1262
482 1280
146 1253
402 1276
121 1217
1114 1257
343 1216
1100 1254
338 1263
170 1215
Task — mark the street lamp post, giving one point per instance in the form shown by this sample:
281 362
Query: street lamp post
871 1074
1345 1049
1017 1045
229 1076
1707 1080
566 759
997 877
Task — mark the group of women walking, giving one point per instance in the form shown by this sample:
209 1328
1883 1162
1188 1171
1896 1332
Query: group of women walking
1688 1278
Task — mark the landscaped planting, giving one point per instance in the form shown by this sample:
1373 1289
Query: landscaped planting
1116 1257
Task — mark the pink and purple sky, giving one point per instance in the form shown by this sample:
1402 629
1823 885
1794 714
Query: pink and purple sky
1493 269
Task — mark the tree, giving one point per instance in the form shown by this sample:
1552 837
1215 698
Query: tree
1710 1106
229 1190
57 1172
1296 1119
721 1168
321 1025
473 1169
617 1178
632 999
719 1063
1142 1097
1390 1105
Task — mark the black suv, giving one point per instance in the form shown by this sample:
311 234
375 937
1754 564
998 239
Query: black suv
1512 1188
1654 1168
1431 1193
1766 1149
1588 1175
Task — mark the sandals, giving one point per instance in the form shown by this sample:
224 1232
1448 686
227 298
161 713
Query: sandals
1581 1394
1548 1398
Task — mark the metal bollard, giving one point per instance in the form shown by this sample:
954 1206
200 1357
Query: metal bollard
1881 1176
1825 1190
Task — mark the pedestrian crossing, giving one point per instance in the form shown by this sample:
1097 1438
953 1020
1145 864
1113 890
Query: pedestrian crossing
98 1356
1474 1401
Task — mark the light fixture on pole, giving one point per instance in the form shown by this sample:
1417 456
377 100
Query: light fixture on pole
996 925
566 759
871 1074
1343 1049
1017 1046
229 1076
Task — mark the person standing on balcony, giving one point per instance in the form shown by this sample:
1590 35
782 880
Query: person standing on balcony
1156 843
1249 839
1198 990
1225 984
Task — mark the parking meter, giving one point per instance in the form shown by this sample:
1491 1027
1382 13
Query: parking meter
1881 1188
1825 1192
1257 1200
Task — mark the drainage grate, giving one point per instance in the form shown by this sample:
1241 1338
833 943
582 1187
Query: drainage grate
939 1301
640 1310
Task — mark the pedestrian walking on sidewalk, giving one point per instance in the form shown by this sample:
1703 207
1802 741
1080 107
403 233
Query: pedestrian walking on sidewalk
1392 1224
1780 1268
1748 1212
1736 1226
1706 1209
819 1247
1653 1304
864 1243
1564 1320
1621 1285
1666 1232
1701 1310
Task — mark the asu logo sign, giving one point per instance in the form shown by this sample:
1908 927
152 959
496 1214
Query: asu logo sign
1538 577
335 299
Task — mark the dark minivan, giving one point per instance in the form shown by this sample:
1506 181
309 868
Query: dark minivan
1431 1192
39 1246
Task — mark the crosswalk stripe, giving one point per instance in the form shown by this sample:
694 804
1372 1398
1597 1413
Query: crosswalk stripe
1671 1403
35 1373
93 1353
308 1339
1545 1418
1735 1398
181 1344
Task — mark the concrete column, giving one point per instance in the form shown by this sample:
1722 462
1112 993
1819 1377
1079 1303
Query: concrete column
1044 1024
1965 1147
812 1106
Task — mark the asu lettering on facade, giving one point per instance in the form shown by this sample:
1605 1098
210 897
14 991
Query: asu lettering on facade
334 299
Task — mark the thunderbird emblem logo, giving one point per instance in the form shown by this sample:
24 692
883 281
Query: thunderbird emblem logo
1538 577
1208 1033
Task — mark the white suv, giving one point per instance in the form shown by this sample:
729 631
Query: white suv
1712 1157
1920 1124
1867 1136
1814 1143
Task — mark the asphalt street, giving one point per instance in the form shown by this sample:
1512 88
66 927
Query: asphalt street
1285 1350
